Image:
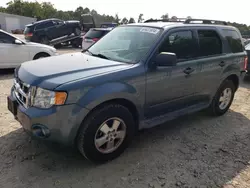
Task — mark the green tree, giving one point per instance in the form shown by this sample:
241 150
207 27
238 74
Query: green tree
165 16
140 18
131 20
124 20
2 9
117 19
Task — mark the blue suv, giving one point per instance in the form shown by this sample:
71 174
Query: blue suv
135 77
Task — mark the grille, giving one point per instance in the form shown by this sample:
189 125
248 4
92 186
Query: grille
22 92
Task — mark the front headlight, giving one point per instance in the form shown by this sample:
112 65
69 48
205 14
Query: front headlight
45 99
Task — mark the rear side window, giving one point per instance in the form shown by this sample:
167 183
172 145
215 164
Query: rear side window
182 43
45 25
234 40
95 34
210 43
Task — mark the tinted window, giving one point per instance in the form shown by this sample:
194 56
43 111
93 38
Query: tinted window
182 43
234 40
95 34
45 25
28 30
210 43
7 39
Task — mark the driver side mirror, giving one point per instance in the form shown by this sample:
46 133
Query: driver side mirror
18 42
165 59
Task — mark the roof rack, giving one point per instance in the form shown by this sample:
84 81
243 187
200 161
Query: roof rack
204 21
165 20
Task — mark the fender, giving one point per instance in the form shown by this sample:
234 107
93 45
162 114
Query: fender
109 91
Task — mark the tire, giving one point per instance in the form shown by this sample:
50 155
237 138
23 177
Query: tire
44 40
77 31
216 108
94 128
41 55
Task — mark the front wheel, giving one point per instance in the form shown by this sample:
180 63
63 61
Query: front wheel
223 98
106 133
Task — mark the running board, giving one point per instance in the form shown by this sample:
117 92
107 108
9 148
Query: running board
149 123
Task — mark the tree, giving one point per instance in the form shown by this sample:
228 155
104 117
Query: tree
165 16
124 20
131 20
174 18
140 18
2 9
117 19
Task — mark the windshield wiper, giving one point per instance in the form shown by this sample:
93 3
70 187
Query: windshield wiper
100 55
86 50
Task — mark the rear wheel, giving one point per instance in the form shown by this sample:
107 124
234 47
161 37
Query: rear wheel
106 133
223 98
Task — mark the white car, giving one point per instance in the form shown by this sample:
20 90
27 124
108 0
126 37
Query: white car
14 51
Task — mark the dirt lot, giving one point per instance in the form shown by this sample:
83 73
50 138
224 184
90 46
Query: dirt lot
194 151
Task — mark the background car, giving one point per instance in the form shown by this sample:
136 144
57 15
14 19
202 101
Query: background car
247 65
46 30
246 42
14 51
93 35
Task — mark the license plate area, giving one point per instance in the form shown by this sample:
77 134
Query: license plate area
12 106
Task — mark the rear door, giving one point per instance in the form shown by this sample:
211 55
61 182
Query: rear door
212 59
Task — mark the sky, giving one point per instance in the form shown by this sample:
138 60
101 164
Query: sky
226 10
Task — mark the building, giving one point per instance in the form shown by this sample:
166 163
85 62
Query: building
9 22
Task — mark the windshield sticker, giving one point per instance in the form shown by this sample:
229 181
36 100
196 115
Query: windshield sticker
149 30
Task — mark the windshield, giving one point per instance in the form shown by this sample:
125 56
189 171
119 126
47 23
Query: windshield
126 44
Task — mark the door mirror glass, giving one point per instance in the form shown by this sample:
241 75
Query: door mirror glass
166 59
18 42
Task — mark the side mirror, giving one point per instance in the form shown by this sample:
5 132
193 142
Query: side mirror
18 42
165 59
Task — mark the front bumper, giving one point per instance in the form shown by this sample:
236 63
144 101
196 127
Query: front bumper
57 124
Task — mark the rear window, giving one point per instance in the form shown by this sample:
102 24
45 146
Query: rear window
234 40
28 29
95 34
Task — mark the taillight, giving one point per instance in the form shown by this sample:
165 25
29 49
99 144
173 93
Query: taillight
95 39
245 63
29 34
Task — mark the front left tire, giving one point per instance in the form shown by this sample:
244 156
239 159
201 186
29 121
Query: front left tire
106 133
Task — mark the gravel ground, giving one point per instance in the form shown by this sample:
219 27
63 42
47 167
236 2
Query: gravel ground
193 151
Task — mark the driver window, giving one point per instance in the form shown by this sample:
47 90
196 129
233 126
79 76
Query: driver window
4 38
182 43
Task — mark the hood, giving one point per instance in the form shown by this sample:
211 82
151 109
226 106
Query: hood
40 45
53 71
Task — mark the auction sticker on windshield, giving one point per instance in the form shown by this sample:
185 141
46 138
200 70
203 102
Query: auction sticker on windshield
149 30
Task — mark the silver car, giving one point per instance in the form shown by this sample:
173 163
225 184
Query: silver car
93 35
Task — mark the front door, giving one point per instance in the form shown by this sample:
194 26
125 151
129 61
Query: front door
12 54
173 88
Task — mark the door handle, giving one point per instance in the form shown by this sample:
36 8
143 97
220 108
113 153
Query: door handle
188 70
222 64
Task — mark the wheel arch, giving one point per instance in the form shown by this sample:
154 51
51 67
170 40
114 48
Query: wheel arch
39 54
121 101
235 79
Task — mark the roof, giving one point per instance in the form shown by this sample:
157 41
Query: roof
166 25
